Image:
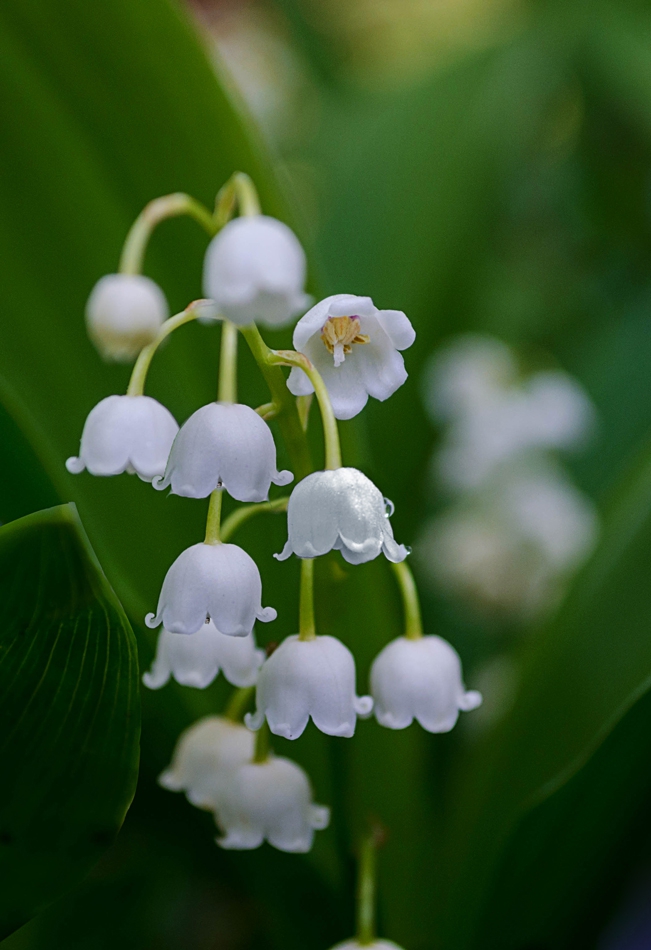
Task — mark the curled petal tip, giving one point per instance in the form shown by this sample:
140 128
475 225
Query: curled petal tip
75 465
266 614
282 478
285 553
394 552
168 780
363 706
152 621
158 481
471 700
319 817
154 682
254 721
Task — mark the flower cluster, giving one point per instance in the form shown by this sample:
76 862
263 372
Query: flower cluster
346 350
517 527
252 798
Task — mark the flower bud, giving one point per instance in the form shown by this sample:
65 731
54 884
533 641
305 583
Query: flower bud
271 801
124 313
355 347
419 679
304 678
223 444
254 270
205 758
196 659
217 582
340 510
125 434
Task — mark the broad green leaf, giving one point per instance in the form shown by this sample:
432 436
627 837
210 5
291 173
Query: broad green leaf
578 680
69 712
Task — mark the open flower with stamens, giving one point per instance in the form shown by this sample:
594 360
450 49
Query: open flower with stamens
205 759
223 444
420 679
342 510
124 313
355 348
254 270
309 678
196 659
217 582
270 800
126 434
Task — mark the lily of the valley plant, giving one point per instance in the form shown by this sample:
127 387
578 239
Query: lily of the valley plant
346 349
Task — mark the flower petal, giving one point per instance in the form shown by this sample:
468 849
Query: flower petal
398 327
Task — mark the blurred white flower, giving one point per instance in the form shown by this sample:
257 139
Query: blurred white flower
126 434
511 548
205 759
355 348
254 270
340 510
271 801
495 420
309 678
217 582
467 374
195 659
124 313
223 444
420 679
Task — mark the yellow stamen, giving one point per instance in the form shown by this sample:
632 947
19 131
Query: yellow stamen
339 334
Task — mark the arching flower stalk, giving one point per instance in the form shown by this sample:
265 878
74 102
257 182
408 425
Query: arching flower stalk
418 677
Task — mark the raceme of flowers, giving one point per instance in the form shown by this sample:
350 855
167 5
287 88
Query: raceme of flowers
346 350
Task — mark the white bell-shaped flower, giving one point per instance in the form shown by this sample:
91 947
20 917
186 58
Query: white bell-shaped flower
376 945
124 313
205 759
223 444
420 679
254 270
126 434
196 659
304 678
271 801
355 348
219 582
341 510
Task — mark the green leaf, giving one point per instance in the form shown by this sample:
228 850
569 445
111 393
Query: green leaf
69 712
87 138
578 680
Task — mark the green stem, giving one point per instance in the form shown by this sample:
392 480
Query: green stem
366 891
246 193
267 410
411 604
262 744
169 206
141 368
238 703
330 430
243 514
307 627
227 391
288 418
213 534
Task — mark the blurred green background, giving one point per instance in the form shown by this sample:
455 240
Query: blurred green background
484 165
